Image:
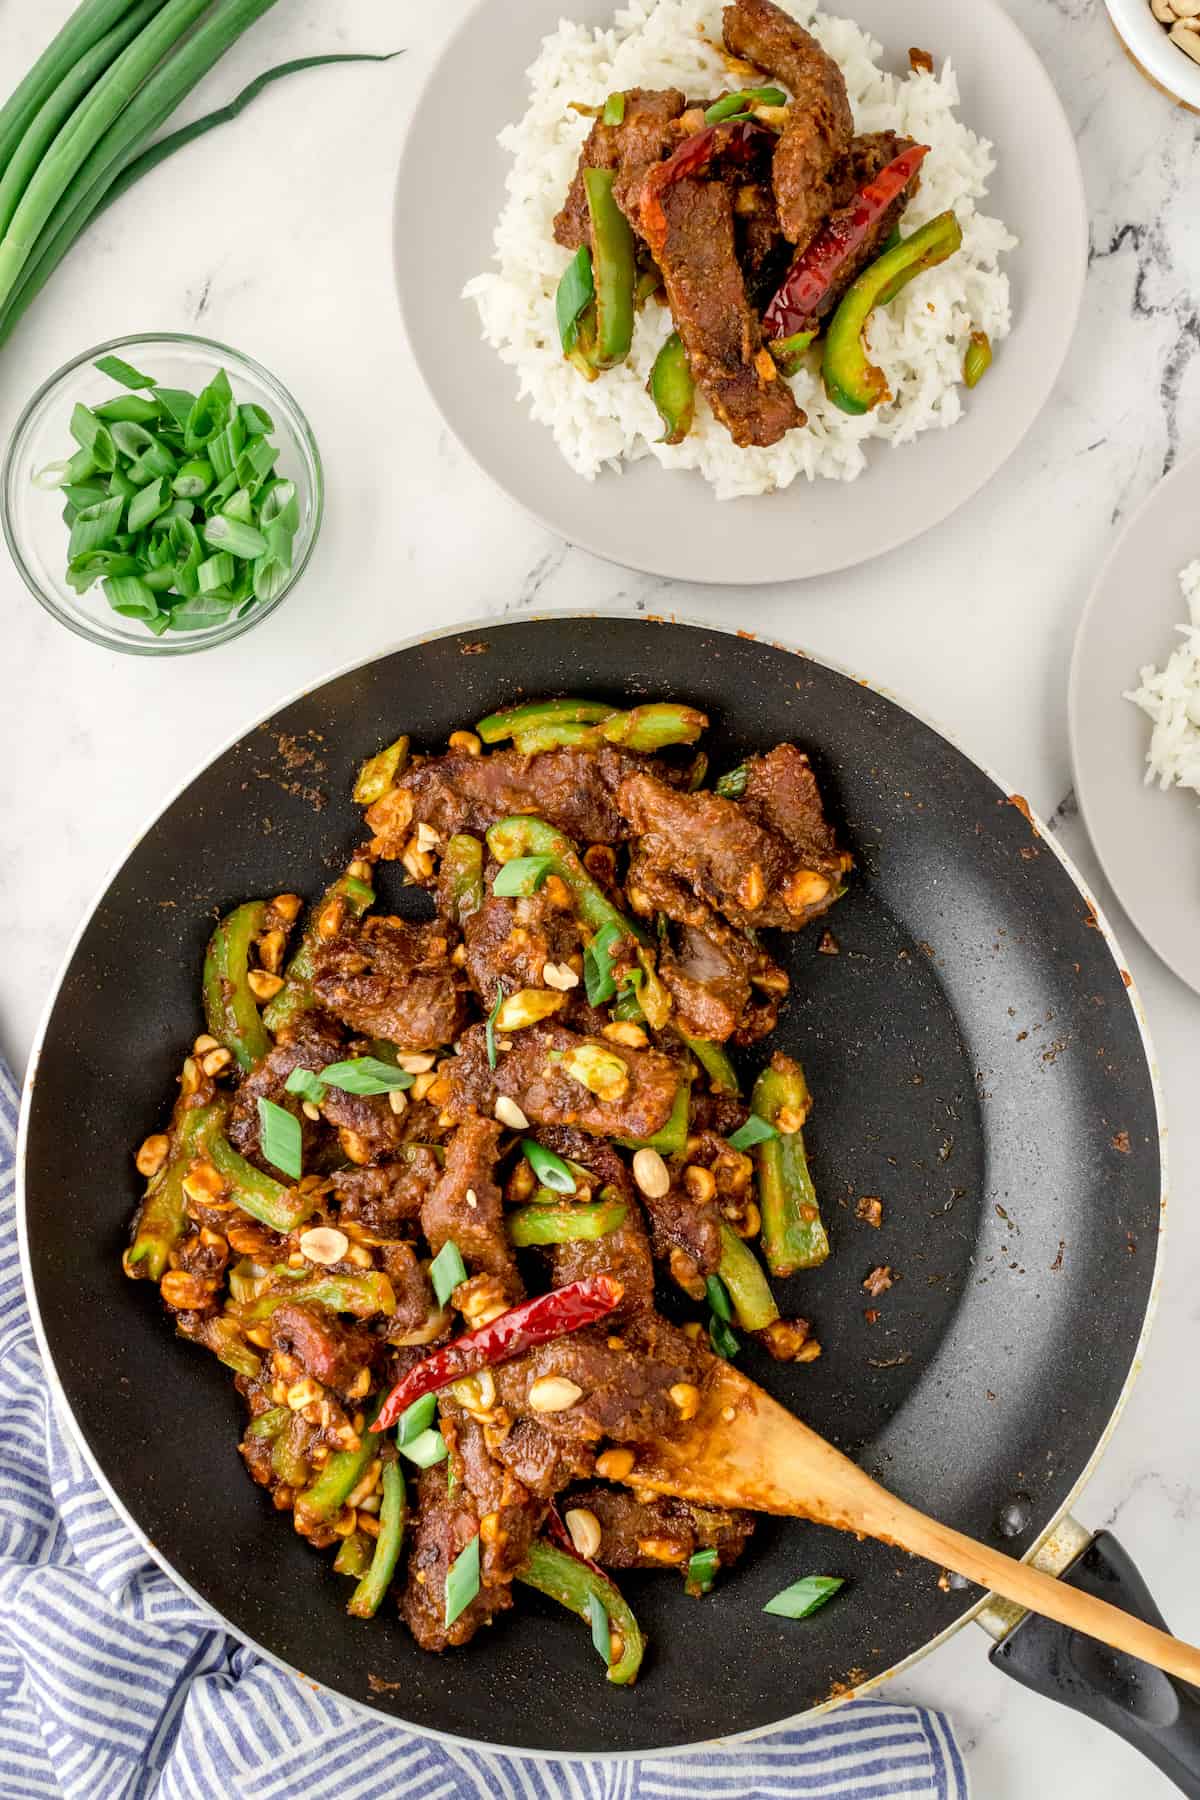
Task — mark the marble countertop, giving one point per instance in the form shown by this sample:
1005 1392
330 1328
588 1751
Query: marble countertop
973 624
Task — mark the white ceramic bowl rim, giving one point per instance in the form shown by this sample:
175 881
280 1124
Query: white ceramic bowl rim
1151 47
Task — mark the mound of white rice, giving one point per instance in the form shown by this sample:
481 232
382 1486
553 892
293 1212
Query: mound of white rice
919 340
1171 697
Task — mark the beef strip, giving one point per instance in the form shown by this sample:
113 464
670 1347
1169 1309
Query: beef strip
645 1534
677 1222
819 125
722 985
416 1303
467 1206
625 1378
689 225
782 796
329 1349
392 980
389 1194
314 1041
762 250
541 1462
722 1114
443 1526
624 1252
570 788
367 1127
511 941
643 137
498 1495
752 874
532 1074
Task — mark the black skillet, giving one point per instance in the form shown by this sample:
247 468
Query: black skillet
976 1063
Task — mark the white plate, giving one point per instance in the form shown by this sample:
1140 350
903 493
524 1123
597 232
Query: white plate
449 195
1148 841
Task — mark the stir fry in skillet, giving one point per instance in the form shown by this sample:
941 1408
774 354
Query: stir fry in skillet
760 217
420 1177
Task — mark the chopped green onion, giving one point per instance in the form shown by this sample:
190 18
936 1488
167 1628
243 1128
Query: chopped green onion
176 402
359 890
462 1581
754 1131
597 964
95 526
194 478
281 1140
804 1597
160 479
128 409
446 1270
365 1075
734 106
130 597
723 1340
601 1629
549 1169
416 1419
523 875
426 1449
52 476
148 503
490 1028
733 785
701 1570
614 110
718 1299
309 1086
224 533
125 373
218 572
574 295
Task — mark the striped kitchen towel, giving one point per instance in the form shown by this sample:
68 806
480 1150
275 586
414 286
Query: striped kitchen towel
116 1686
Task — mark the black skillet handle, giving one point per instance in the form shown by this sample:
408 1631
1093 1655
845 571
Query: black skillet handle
1155 1713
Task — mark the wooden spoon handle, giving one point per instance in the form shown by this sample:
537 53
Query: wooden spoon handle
1039 1593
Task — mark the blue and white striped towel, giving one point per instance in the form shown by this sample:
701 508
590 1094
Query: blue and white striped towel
115 1686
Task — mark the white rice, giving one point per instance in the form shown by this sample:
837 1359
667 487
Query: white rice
1170 696
919 340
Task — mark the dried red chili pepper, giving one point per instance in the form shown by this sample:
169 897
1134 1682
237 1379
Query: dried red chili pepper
523 1327
816 269
737 140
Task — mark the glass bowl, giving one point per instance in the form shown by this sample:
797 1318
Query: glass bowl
32 516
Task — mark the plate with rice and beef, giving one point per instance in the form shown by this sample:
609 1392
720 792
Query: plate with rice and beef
1135 720
822 268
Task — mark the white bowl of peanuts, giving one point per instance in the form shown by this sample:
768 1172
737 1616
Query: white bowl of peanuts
1163 38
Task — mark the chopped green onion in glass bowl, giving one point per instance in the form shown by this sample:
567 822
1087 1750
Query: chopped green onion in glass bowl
161 494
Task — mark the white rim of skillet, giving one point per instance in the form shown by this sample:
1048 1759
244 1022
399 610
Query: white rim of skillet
1007 442
1189 467
483 627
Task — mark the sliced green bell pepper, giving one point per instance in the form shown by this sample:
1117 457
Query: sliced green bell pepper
368 1596
852 381
571 1581
753 1302
614 269
672 388
793 1235
230 1008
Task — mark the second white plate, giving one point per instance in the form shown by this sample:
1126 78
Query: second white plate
1148 841
449 196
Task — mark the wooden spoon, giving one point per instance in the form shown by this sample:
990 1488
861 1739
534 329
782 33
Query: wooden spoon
744 1450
